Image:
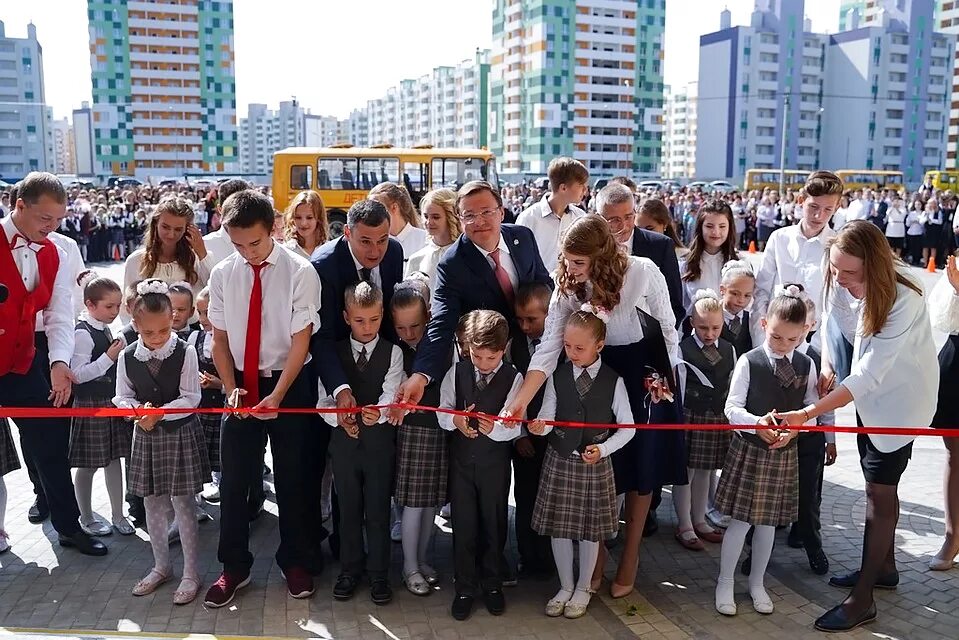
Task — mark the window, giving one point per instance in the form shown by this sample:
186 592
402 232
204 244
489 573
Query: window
455 172
336 173
414 179
376 170
301 177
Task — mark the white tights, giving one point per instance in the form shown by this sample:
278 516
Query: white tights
160 512
578 592
692 500
417 525
3 501
733 541
83 486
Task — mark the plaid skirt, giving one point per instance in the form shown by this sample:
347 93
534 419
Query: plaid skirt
759 485
575 500
211 424
707 449
9 460
96 442
422 466
169 460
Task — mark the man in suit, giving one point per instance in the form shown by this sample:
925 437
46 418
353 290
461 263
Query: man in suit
483 269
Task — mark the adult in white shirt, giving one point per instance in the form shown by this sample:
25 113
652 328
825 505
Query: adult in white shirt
767 217
550 218
443 226
892 384
305 224
842 213
794 254
404 218
896 226
914 232
217 242
857 209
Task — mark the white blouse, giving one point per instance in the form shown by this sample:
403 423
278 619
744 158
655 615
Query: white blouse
644 287
412 239
425 260
168 272
82 364
710 277
295 247
189 380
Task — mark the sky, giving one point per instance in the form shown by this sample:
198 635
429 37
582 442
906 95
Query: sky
334 56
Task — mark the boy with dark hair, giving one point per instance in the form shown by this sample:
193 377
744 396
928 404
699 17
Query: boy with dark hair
549 218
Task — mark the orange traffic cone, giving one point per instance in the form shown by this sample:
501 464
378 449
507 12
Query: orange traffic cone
116 254
752 246
931 267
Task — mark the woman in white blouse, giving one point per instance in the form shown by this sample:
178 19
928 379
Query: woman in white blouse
714 244
443 226
173 250
893 385
640 341
404 218
305 224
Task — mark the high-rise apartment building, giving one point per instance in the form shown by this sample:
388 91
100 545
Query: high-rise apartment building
847 19
264 132
322 131
164 88
679 141
582 78
63 151
83 137
948 22
26 127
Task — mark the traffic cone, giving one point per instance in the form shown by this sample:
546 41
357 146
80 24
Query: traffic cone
752 246
116 254
931 267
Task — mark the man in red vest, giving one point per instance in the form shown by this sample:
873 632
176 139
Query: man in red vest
30 270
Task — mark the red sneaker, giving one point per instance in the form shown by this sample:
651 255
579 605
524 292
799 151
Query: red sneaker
298 582
224 590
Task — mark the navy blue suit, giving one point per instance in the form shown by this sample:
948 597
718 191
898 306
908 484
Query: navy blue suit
337 270
660 249
464 283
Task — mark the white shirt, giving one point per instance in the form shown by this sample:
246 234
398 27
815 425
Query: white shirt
621 409
944 306
548 228
505 260
739 387
842 309
791 257
856 211
839 218
295 247
425 260
82 364
643 286
913 223
74 266
207 345
412 239
828 418
394 377
895 377
291 295
168 272
500 432
218 245
189 380
710 277
895 222
57 317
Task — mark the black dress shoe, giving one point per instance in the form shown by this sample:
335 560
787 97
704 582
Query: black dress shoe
651 526
747 564
380 592
836 619
462 607
818 562
345 587
37 512
495 602
83 543
849 580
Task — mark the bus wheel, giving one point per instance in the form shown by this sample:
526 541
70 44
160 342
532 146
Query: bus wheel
337 220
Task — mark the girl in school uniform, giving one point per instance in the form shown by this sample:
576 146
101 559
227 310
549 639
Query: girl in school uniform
168 464
305 224
577 493
98 443
211 394
736 288
759 484
9 461
713 245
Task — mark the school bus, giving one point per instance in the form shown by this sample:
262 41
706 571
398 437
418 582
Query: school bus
759 179
869 179
943 180
343 174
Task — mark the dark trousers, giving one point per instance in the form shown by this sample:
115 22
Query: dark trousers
479 491
317 446
45 442
241 456
363 470
42 357
812 450
535 550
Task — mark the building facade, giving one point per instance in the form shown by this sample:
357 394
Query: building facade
577 77
164 87
264 132
63 150
83 141
322 131
679 141
26 124
948 22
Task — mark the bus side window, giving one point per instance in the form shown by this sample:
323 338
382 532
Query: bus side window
301 177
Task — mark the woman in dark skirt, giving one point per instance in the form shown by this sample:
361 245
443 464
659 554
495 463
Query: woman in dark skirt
9 461
932 232
640 341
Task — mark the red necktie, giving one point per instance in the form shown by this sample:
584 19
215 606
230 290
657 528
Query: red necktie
502 277
251 353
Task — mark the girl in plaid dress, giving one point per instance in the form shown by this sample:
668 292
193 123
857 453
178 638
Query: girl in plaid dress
577 494
168 463
98 443
202 341
759 484
9 461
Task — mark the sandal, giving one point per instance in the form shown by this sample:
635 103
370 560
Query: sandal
705 532
688 539
186 596
151 583
416 583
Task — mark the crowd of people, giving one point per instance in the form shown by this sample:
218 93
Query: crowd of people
589 310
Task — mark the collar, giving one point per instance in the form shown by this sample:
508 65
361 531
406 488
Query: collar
592 369
142 353
502 247
405 231
699 343
93 322
491 373
274 254
727 316
773 357
629 241
820 237
357 346
547 211
16 239
356 262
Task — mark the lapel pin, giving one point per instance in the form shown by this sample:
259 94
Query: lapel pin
515 240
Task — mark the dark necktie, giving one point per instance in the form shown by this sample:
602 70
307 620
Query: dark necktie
785 372
361 360
366 275
533 345
483 381
502 277
711 353
153 366
735 326
254 326
583 383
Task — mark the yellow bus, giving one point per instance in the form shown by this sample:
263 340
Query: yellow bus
759 179
343 174
943 180
869 179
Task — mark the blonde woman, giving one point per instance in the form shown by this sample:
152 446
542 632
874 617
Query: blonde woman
305 224
405 223
443 226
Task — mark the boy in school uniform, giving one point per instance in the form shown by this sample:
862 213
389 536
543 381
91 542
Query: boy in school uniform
479 461
259 349
363 452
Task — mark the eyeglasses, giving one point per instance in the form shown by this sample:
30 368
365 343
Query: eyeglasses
469 217
616 221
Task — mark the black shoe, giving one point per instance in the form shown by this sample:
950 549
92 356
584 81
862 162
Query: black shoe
849 580
793 541
651 526
87 545
818 562
345 587
380 592
747 564
38 512
462 607
495 602
836 619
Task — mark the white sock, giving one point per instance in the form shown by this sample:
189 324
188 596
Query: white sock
682 503
728 559
699 489
83 487
763 538
588 553
3 502
113 478
563 556
411 524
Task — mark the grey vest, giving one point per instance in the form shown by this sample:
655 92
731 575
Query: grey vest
161 389
596 407
490 400
699 398
208 397
743 343
766 393
106 385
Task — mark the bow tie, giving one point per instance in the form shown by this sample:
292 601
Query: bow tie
20 241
